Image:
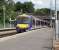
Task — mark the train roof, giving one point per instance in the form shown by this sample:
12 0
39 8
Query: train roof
24 15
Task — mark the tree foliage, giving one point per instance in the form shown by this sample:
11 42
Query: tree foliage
28 7
18 6
2 2
12 8
9 9
43 11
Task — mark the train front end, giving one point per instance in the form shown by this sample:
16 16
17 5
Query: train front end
24 23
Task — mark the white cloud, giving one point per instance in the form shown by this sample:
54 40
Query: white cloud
42 3
36 1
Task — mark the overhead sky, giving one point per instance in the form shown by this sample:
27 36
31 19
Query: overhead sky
42 3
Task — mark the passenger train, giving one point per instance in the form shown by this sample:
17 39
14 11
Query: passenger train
26 22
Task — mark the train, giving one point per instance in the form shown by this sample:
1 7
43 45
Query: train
23 23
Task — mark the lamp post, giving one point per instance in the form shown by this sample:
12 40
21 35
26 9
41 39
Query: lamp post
4 14
56 23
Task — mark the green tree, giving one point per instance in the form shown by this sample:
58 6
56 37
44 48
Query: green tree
28 7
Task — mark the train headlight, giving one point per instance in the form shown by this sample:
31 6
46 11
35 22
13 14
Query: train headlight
22 25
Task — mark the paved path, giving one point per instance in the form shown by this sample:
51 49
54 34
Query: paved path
40 39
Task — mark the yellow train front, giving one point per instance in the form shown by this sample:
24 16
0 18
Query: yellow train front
23 23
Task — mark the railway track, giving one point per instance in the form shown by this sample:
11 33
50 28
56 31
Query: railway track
7 29
7 32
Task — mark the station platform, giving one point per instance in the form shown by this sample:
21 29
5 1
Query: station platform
40 39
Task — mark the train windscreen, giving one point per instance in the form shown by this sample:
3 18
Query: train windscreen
23 20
